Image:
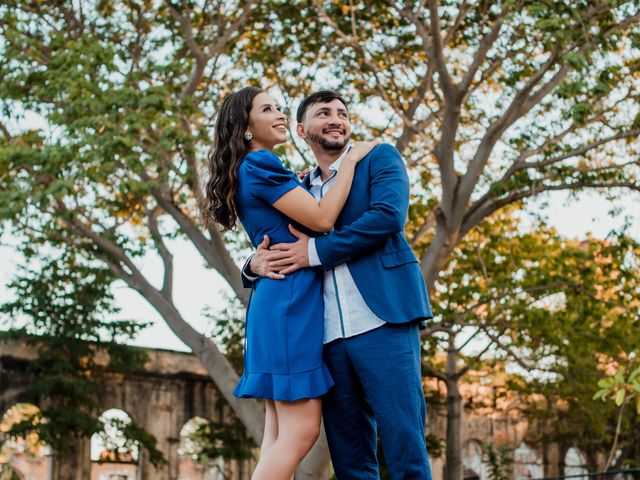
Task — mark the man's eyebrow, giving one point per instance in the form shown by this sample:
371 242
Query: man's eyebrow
326 109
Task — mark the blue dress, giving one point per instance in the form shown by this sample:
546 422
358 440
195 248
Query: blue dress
284 324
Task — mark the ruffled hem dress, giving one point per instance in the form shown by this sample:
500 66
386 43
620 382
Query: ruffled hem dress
284 322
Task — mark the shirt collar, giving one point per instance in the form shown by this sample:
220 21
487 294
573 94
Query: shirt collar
315 177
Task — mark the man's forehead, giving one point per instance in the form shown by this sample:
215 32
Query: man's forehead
334 104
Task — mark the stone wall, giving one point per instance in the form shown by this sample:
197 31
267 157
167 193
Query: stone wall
171 389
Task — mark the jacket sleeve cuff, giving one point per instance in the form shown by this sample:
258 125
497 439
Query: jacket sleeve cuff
247 274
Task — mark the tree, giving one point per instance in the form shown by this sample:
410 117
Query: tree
63 305
121 173
531 300
492 103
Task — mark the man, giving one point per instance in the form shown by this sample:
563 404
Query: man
374 297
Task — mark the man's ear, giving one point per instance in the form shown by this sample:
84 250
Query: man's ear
300 131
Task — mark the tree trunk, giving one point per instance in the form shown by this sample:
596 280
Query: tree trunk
453 465
75 464
250 412
438 252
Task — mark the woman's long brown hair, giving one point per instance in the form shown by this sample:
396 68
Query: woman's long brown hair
228 150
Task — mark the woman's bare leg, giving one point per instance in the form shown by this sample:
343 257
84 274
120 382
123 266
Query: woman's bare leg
298 429
270 427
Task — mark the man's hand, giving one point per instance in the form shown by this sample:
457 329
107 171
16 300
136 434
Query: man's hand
289 257
260 264
303 173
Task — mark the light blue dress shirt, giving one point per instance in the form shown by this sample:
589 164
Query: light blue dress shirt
345 312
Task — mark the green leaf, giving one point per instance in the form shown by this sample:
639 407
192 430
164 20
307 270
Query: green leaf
606 383
633 375
600 394
620 394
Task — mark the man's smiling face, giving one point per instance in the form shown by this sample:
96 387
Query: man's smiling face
327 125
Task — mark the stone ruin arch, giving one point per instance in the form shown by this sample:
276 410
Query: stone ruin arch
527 462
472 460
171 389
575 463
22 457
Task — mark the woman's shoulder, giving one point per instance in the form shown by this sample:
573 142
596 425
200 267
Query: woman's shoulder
264 166
263 157
264 160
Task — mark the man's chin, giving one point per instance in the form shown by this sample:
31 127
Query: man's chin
335 146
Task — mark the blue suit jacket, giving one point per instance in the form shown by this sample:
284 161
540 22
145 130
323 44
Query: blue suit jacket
369 237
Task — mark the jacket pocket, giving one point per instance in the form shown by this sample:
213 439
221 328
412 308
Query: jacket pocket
395 259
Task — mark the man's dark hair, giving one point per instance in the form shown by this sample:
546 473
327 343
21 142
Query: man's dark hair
323 96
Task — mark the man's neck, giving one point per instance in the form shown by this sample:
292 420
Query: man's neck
325 159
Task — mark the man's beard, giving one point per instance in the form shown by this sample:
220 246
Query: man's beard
331 146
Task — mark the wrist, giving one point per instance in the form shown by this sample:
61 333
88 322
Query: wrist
350 159
250 270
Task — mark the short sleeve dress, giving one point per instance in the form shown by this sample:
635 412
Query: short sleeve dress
284 323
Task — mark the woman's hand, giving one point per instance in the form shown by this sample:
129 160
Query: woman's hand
362 149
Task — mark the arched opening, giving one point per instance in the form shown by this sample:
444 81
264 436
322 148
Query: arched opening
575 463
113 456
473 468
24 456
526 463
7 472
195 454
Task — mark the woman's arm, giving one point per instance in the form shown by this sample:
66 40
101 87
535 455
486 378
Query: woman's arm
320 216
384 217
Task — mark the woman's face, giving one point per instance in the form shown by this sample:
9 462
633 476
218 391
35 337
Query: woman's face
267 123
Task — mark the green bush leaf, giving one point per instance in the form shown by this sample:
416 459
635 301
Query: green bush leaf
600 394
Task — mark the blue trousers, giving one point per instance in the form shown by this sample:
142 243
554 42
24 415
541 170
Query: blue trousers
378 387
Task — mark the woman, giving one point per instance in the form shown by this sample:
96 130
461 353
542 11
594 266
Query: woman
284 329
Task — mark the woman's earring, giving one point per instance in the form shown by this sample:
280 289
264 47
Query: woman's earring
248 135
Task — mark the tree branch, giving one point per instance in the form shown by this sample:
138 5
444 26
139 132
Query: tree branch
480 54
410 129
165 253
448 87
201 57
235 27
430 372
108 247
576 152
213 251
519 106
515 357
6 133
519 163
495 205
462 14
359 47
